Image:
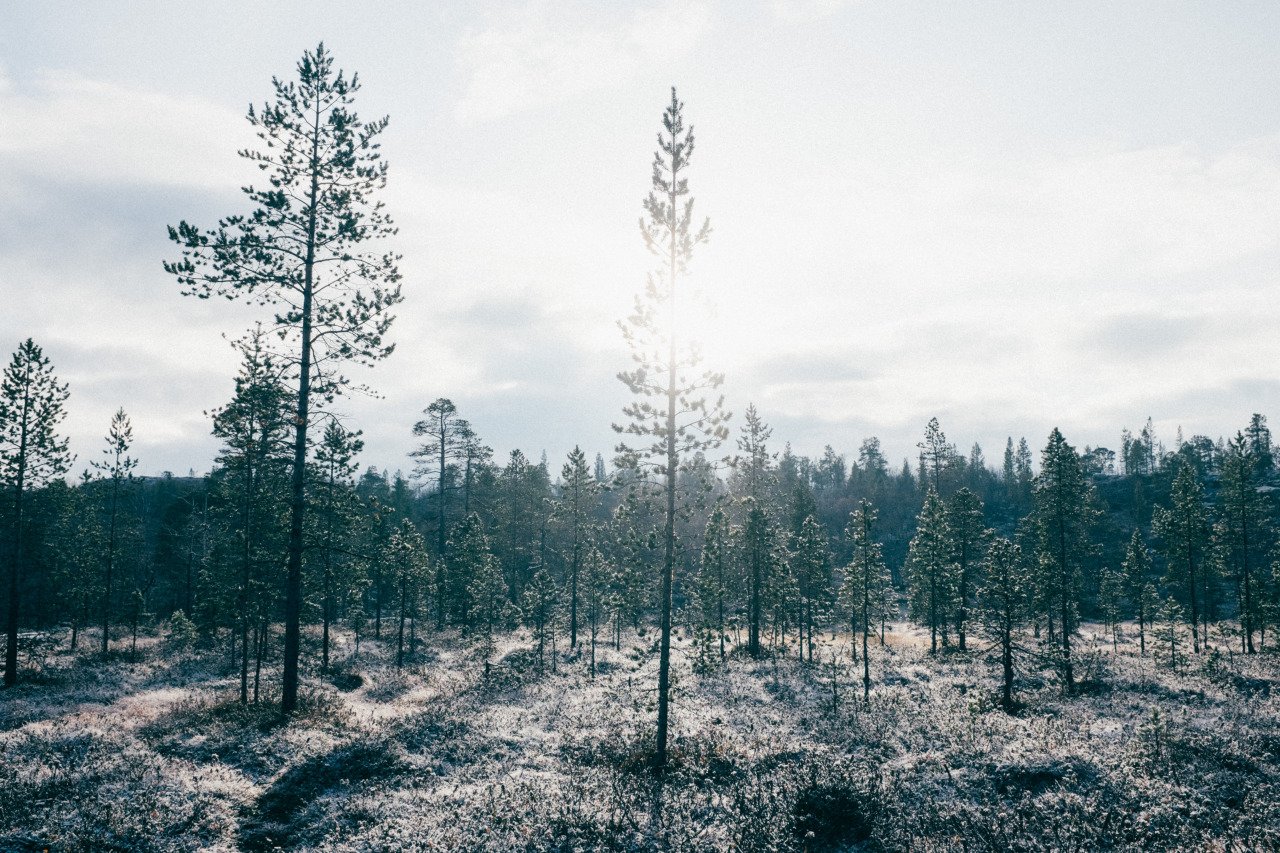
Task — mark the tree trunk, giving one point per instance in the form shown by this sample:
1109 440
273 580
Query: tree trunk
753 630
111 557
573 590
400 631
298 504
1006 660
11 621
668 569
866 663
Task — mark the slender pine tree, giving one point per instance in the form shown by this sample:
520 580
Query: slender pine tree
672 410
302 252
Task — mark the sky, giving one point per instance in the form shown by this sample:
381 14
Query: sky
1011 216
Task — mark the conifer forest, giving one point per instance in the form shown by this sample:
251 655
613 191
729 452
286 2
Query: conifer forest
687 633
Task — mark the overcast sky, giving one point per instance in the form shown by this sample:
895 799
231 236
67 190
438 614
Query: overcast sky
1008 215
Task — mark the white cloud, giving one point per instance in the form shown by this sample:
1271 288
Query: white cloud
805 11
540 54
64 125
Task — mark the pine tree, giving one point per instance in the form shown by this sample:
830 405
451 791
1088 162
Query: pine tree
250 486
74 567
1169 617
1111 592
864 581
1008 473
595 587
117 470
447 439
969 534
935 455
1184 529
486 588
760 544
931 570
636 546
714 581
1214 571
1245 515
302 251
574 510
477 460
1258 442
336 515
1003 610
519 525
1025 479
540 603
1064 514
754 476
407 556
672 409
1137 576
811 566
31 454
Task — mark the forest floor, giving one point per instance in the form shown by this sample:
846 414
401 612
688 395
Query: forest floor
153 752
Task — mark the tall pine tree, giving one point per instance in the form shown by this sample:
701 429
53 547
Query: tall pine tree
672 410
302 251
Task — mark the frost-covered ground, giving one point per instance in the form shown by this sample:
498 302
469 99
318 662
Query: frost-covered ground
156 754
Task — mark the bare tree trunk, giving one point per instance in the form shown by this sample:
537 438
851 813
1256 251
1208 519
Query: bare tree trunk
298 504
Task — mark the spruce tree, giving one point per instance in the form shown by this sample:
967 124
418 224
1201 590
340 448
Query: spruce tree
520 522
672 410
31 454
1257 440
302 252
486 588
